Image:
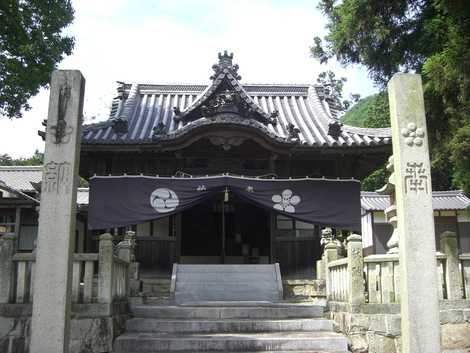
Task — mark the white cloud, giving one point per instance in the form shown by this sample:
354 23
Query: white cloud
114 41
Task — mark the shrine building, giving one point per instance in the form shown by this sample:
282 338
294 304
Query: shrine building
260 131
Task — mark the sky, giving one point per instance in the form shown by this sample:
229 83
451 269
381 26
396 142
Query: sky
177 41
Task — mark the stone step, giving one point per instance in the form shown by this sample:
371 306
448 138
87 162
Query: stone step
236 291
236 342
302 351
226 282
232 326
268 311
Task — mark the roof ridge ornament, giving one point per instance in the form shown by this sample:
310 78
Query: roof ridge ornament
335 129
225 64
225 98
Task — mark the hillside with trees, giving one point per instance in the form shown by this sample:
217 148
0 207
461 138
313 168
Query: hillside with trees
431 38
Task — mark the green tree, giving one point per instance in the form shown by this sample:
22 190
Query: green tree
371 111
36 159
31 46
430 37
332 91
6 160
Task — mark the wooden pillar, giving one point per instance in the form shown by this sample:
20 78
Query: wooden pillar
57 215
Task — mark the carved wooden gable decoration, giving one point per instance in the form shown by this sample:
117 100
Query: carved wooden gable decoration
225 98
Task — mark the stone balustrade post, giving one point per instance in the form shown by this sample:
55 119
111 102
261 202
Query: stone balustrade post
355 270
330 254
105 269
7 250
124 251
134 282
321 268
449 247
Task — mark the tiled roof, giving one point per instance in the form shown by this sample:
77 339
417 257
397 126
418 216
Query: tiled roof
146 107
20 177
441 200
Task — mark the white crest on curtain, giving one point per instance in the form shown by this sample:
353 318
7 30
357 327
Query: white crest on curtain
286 201
164 200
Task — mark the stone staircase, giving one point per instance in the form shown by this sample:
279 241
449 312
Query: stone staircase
229 327
205 283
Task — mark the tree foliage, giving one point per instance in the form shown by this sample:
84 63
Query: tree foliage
36 159
430 37
371 111
31 46
332 91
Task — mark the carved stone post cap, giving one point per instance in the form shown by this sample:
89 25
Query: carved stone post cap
123 245
448 234
8 237
130 234
354 237
106 236
331 245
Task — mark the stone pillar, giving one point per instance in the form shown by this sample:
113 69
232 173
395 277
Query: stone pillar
355 270
7 250
331 254
321 268
453 277
418 271
124 250
57 216
105 269
134 282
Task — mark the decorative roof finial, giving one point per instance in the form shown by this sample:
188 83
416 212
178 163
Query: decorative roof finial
225 59
225 65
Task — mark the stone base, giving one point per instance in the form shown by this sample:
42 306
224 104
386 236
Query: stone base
156 287
304 289
93 327
375 328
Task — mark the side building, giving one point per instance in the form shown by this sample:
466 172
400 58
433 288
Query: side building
451 212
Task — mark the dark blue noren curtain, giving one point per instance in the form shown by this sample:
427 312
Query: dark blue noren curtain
125 200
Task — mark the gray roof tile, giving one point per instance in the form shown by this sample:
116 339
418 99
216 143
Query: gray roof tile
147 106
20 177
441 200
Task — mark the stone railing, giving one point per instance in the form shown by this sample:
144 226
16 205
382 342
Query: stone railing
337 287
96 278
382 278
344 278
375 279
